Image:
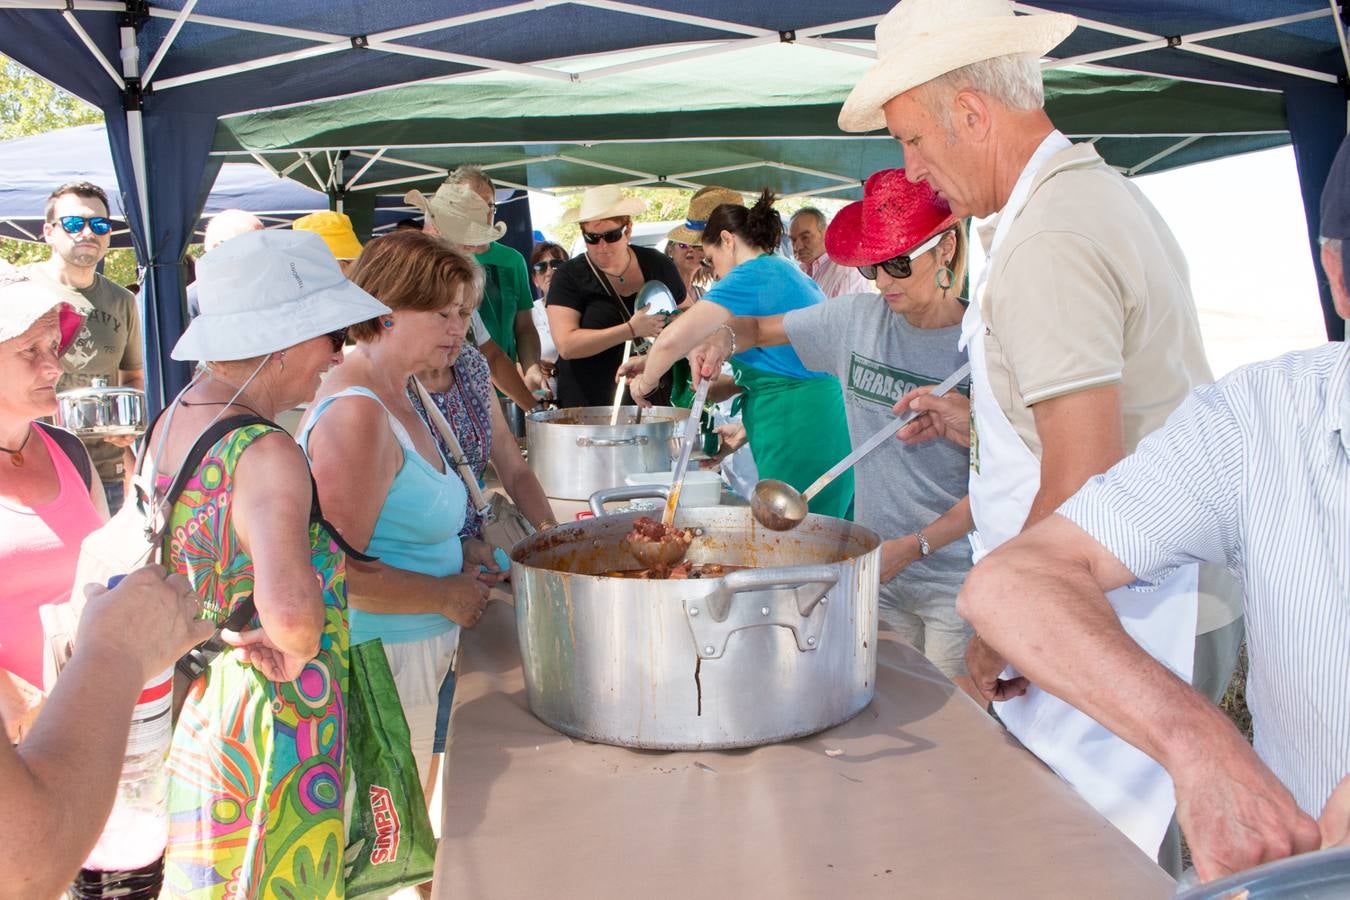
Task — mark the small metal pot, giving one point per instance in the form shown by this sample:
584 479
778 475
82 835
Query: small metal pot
101 410
769 653
575 452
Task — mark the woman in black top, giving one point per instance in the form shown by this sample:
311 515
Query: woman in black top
590 301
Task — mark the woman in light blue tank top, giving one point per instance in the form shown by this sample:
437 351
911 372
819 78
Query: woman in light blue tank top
383 481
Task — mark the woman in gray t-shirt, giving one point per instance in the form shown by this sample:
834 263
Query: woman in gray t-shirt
881 347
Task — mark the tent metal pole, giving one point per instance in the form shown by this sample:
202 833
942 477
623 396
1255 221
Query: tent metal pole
88 42
263 63
165 44
131 69
302 156
1340 33
837 47
820 30
668 15
1158 157
370 161
464 59
725 47
438 170
262 161
487 15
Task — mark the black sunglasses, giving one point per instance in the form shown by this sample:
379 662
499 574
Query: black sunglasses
609 237
339 338
544 265
901 266
99 225
683 246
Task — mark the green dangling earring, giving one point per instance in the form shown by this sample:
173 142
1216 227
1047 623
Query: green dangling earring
944 278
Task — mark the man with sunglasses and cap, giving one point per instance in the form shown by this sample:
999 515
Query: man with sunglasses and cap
1082 336
109 344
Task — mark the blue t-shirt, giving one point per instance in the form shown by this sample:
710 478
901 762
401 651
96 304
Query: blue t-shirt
768 286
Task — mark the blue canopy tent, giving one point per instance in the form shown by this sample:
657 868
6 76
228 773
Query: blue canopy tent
164 72
30 167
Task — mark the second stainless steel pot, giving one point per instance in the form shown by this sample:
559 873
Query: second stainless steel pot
762 654
575 452
101 410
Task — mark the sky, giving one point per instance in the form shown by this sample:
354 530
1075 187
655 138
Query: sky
1240 222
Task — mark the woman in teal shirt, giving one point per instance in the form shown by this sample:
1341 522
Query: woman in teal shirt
794 417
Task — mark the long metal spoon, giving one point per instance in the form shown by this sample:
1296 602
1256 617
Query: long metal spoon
779 506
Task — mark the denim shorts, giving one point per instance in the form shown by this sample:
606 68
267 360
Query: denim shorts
446 696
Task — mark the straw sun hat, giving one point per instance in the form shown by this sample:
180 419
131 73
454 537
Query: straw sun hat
604 201
265 291
460 215
894 216
701 206
920 40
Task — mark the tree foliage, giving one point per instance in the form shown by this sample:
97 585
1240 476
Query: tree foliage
31 105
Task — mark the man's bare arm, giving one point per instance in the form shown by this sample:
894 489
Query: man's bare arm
1082 434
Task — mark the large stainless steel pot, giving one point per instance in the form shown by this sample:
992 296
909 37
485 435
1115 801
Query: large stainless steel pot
575 452
100 410
759 655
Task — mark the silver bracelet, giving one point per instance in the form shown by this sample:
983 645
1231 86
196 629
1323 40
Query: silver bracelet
731 331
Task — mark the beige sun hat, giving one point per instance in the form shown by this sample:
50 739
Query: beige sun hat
701 205
604 201
920 40
459 214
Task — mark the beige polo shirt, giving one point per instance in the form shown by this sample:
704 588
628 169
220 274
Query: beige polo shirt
1091 288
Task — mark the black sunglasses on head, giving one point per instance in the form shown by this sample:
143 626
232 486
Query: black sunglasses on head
338 338
609 237
901 266
544 265
99 225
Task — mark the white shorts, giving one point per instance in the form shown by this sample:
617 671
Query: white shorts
419 667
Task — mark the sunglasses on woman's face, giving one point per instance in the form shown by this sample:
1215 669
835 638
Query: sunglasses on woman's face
609 237
901 266
684 246
544 265
338 338
75 224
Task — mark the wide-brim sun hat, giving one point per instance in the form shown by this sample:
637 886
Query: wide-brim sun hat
24 300
604 201
269 290
894 216
336 231
701 206
919 40
459 214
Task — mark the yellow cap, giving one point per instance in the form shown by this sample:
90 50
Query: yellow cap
336 231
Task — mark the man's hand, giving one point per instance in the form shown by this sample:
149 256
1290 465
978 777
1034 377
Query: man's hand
985 665
897 554
257 649
150 617
1234 811
1335 820
938 417
733 438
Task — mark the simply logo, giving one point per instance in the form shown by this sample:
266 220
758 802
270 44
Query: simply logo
386 826
296 275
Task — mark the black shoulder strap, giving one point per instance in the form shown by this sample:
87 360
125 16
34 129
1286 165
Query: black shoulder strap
74 450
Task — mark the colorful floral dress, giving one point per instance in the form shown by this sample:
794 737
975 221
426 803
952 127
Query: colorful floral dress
257 769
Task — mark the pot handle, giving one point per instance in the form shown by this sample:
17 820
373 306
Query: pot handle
638 440
751 598
634 492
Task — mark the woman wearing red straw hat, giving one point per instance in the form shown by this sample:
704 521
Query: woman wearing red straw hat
906 239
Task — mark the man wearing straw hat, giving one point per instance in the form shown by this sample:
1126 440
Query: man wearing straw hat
1082 337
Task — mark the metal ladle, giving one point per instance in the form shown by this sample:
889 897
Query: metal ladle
779 506
654 294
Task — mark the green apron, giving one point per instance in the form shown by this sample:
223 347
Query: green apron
797 430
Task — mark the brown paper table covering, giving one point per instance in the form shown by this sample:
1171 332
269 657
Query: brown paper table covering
920 795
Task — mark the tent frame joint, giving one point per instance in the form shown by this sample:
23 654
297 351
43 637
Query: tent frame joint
1173 40
360 41
787 37
136 15
133 94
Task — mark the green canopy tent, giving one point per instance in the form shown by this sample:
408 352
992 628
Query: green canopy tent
762 115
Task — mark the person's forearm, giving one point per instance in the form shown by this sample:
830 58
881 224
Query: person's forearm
685 332
295 629
60 794
506 378
523 487
378 588
747 332
951 526
134 378
724 388
527 340
579 343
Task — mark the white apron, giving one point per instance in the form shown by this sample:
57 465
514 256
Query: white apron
1121 782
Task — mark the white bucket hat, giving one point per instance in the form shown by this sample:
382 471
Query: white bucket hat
460 215
920 40
605 201
24 300
268 290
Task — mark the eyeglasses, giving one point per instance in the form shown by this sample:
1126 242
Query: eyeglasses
683 246
901 266
339 338
99 225
544 265
609 237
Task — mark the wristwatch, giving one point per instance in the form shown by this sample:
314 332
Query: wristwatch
924 549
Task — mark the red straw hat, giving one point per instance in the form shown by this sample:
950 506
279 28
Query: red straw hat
895 215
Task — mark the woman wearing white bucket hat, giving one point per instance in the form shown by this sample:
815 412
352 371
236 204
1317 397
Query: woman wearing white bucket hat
50 496
591 298
274 313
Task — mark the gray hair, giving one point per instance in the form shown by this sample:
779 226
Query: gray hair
226 224
1014 80
472 176
813 213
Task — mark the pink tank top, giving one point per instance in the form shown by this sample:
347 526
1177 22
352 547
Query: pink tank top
38 551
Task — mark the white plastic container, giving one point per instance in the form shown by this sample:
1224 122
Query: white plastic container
701 487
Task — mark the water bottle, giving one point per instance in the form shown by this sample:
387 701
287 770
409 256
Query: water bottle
128 860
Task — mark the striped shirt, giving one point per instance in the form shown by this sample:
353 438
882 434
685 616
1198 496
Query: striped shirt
835 280
1254 473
